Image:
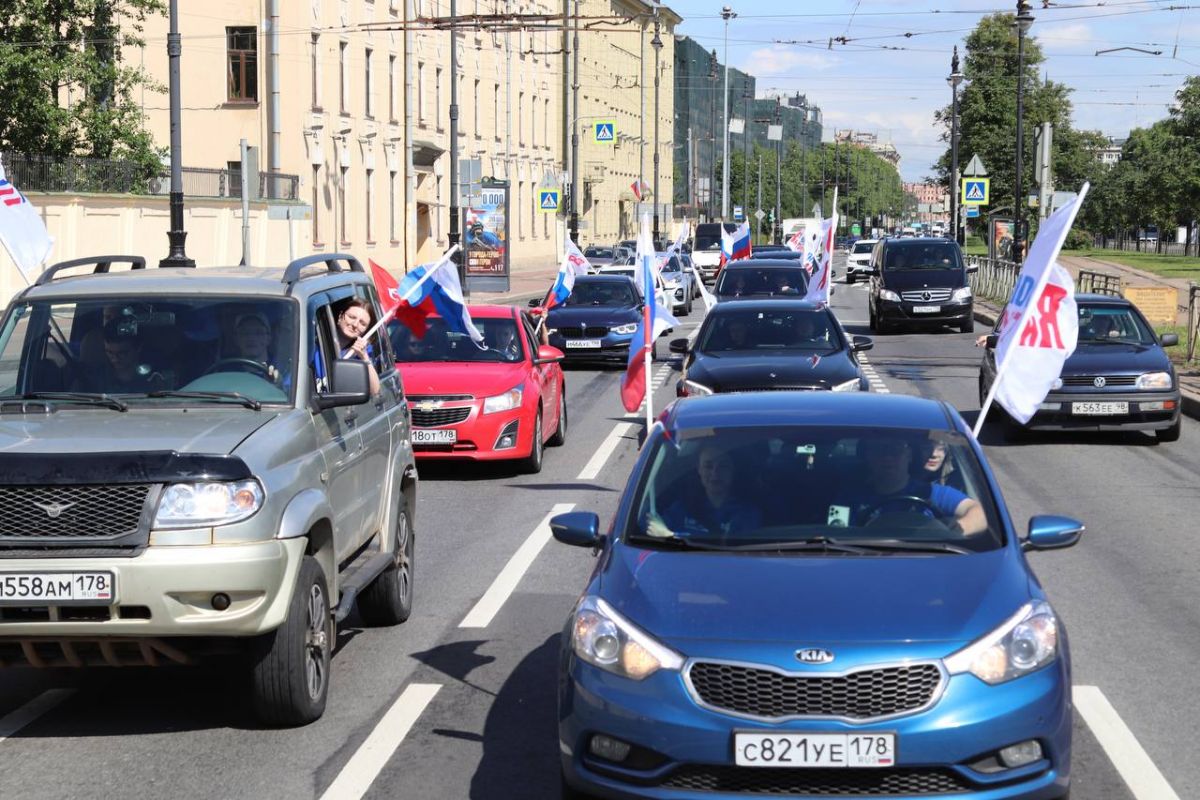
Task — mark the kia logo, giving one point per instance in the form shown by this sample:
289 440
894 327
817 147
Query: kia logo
814 655
1099 382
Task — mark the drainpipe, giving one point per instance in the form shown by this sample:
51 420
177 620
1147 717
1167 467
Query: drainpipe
410 175
275 133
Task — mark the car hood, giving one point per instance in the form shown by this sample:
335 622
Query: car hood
1110 359
592 315
733 371
458 377
803 597
98 430
904 280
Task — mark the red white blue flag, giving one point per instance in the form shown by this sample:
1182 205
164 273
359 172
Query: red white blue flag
736 245
427 291
654 322
22 230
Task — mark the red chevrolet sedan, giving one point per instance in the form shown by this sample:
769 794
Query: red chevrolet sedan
502 399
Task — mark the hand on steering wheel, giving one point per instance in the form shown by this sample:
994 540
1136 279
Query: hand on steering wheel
906 503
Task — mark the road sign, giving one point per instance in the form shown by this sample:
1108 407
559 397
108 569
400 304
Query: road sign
548 200
605 131
975 191
738 214
972 212
758 215
975 168
856 230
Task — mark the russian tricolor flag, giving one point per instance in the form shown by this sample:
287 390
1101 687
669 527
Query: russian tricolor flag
429 290
736 245
654 322
573 264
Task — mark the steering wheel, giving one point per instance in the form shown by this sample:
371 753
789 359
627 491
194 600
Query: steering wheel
913 511
248 364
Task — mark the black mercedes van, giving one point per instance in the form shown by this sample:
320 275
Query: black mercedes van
919 282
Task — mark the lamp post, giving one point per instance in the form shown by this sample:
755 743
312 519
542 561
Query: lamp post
777 228
454 236
176 236
657 44
746 97
727 14
712 148
1024 20
954 80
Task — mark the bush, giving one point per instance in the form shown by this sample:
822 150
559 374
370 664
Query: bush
1078 240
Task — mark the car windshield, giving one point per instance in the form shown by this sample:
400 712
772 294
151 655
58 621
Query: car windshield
146 347
1112 325
746 280
822 489
602 293
671 264
807 329
923 255
708 236
863 247
501 342
598 252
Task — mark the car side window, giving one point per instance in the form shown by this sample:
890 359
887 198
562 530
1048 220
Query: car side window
321 341
381 354
531 340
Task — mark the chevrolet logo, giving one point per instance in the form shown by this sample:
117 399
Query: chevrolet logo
427 405
54 510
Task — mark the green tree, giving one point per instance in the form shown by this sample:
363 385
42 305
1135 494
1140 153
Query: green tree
66 89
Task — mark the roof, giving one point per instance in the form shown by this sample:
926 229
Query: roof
766 304
915 241
771 409
759 263
603 277
1101 299
491 311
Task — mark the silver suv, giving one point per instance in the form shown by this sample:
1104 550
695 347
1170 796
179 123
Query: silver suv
191 466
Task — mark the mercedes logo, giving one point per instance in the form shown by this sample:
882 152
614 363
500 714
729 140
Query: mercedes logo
54 510
926 296
1099 382
814 655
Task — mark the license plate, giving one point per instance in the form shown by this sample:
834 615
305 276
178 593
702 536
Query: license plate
1099 409
582 343
421 436
815 749
926 309
54 588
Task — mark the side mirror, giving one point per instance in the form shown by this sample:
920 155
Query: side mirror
1169 339
679 345
971 270
350 385
860 343
577 528
1050 532
992 339
548 355
535 303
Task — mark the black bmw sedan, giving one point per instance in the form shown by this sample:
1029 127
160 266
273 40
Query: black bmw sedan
598 320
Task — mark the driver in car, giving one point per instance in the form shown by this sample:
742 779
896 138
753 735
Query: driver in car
889 488
252 341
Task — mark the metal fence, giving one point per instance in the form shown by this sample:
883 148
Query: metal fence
1131 245
1099 283
993 279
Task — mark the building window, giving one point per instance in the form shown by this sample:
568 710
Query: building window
242 47
343 77
392 88
533 209
496 112
392 207
475 106
533 105
369 82
370 187
546 127
345 173
316 206
421 93
437 97
436 226
315 68
521 119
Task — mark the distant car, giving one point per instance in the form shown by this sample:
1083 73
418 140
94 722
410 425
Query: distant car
1148 234
689 266
598 320
630 271
761 278
858 262
505 400
768 345
678 282
919 282
1118 378
599 256
769 248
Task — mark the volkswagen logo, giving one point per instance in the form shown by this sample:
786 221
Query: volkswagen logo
54 510
814 655
1099 382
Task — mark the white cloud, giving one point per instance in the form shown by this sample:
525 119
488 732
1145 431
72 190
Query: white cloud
776 60
1076 37
911 130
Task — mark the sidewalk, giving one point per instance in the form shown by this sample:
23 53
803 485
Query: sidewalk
523 285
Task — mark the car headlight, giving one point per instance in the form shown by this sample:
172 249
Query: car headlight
207 503
888 294
961 295
1025 642
503 402
605 639
1154 380
852 385
694 388
626 329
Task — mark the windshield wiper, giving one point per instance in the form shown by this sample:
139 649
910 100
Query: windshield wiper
678 542
89 398
912 546
820 543
237 397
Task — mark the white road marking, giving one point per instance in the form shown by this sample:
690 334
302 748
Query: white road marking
46 701
373 754
873 378
506 582
1132 762
600 457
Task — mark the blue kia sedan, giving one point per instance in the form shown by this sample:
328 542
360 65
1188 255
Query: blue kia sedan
813 594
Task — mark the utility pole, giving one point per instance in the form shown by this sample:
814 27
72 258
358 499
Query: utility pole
727 14
777 228
657 44
746 96
573 220
454 232
758 205
712 141
641 118
954 80
1024 20
176 236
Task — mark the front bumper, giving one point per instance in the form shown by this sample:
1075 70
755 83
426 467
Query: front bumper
948 313
477 437
1148 411
685 752
613 347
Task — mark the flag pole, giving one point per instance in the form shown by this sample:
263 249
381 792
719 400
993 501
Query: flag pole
649 356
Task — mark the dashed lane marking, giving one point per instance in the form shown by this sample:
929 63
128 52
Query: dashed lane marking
44 702
601 456
877 384
1132 762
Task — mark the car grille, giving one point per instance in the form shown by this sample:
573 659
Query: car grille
730 389
926 295
816 782
860 695
439 416
589 331
1109 380
89 511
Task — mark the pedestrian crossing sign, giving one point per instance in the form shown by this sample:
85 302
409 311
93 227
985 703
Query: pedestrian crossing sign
975 191
605 131
548 200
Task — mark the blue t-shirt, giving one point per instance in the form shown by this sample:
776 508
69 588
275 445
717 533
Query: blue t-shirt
701 517
856 505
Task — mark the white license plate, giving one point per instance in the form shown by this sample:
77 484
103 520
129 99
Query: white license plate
581 343
926 309
1099 409
815 749
421 436
54 588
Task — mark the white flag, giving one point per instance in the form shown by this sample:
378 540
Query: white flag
22 230
818 282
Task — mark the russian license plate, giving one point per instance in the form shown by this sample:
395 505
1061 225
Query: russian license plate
1099 409
54 588
423 436
815 749
582 343
926 309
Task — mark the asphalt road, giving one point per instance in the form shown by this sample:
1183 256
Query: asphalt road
433 709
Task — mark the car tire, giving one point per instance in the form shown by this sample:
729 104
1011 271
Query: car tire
532 464
388 600
849 279
290 668
968 326
1170 434
560 433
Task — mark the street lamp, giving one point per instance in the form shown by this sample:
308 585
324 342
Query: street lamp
1024 20
777 228
747 95
954 80
727 14
712 148
176 236
657 44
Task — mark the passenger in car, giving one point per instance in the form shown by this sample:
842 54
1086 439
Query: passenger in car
717 510
122 369
352 321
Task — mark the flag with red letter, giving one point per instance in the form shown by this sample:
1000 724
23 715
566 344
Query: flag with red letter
1040 325
22 230
795 242
818 282
574 263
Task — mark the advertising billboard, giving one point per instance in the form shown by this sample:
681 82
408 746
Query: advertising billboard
485 238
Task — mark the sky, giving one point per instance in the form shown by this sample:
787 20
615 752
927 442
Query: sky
866 85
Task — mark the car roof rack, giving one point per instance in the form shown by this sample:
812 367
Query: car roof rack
101 264
331 262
